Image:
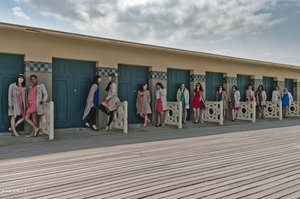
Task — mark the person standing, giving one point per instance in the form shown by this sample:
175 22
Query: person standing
161 104
37 96
276 95
143 104
221 96
112 98
250 95
92 101
234 101
287 100
261 98
197 102
16 103
183 96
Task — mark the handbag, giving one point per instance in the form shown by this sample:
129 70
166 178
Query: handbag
104 107
202 104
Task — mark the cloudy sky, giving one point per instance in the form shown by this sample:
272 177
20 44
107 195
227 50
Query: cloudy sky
266 30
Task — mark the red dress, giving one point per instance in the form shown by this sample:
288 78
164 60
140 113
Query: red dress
196 101
32 100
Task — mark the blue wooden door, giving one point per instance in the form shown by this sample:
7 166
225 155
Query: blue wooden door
130 78
243 82
71 83
212 81
175 78
10 67
288 83
268 83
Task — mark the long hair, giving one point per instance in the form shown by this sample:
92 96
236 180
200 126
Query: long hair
223 89
113 80
23 83
160 84
200 89
142 86
95 80
251 87
236 88
260 86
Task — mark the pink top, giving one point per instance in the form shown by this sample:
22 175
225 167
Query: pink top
21 104
32 100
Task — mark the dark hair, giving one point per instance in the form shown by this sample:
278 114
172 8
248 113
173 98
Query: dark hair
23 83
251 86
113 77
236 88
31 76
276 87
160 84
223 89
113 80
181 84
260 86
142 86
200 89
95 79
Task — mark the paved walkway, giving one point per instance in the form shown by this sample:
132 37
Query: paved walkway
241 164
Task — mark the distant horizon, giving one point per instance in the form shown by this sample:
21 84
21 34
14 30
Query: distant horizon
265 31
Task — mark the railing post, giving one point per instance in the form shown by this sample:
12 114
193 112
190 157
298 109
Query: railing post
254 112
51 122
221 113
180 115
280 110
125 129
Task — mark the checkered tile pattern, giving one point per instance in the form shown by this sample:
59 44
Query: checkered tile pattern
230 80
279 83
197 78
257 81
158 75
107 71
38 67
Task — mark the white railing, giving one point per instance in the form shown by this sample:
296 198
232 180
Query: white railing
273 110
174 114
46 121
247 112
294 109
121 117
213 112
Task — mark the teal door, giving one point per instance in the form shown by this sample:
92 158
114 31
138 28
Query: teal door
130 79
175 78
288 83
243 82
268 83
10 67
71 83
212 81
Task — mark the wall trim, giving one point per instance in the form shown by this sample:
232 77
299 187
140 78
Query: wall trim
32 66
157 75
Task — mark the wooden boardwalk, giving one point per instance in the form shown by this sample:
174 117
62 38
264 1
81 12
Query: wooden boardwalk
249 164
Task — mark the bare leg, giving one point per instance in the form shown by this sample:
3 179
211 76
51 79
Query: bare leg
195 115
30 122
163 118
184 115
233 114
158 119
34 120
146 120
13 124
19 122
198 115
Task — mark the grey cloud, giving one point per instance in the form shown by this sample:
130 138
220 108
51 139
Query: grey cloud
173 20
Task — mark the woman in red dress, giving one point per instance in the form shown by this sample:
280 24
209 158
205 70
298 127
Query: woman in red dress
197 102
